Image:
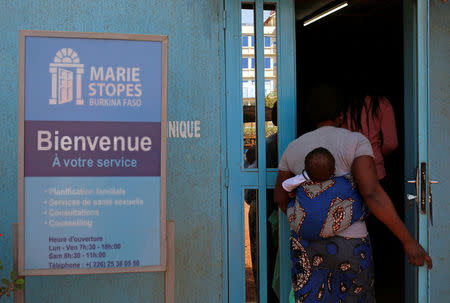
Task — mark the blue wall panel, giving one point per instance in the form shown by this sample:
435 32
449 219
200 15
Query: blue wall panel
193 164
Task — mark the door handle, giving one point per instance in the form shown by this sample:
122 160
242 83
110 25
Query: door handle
421 177
410 197
413 197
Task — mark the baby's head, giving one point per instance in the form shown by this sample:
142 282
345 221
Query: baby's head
319 164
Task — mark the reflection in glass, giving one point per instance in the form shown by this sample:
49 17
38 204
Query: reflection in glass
249 85
251 205
271 84
251 244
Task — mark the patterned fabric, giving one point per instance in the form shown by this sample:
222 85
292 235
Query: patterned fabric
325 267
332 270
323 209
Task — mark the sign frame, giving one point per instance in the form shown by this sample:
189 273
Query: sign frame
21 152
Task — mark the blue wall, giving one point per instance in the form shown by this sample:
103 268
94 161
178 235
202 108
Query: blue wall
193 164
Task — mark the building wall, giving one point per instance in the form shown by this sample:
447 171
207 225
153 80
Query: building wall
193 164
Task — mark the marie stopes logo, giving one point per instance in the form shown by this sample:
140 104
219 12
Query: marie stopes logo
107 86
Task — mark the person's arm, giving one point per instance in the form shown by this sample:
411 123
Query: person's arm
388 128
364 172
280 196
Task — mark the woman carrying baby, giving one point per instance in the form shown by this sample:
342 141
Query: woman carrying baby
336 266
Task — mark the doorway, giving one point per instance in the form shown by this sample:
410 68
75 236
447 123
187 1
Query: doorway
362 43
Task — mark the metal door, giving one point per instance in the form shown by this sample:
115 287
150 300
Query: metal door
259 69
426 132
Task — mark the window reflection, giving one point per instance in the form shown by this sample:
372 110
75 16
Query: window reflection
273 262
251 211
249 85
271 84
251 244
249 103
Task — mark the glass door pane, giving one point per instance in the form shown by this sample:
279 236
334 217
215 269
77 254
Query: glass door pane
249 84
271 84
251 245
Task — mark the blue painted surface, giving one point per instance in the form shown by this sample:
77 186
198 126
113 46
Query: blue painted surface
287 111
235 207
261 178
439 149
193 165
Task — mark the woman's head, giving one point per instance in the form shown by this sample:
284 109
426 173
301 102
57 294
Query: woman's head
324 102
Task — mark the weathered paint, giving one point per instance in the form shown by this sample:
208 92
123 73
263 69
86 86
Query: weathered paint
193 166
439 148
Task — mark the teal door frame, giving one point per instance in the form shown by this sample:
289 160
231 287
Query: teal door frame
236 177
423 123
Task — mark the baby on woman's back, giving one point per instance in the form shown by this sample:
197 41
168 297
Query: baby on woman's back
323 204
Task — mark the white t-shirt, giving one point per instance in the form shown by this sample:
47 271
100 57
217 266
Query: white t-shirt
344 145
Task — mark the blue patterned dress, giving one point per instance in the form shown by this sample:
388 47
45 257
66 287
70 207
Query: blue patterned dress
326 267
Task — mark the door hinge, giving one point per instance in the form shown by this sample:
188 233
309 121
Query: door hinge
226 176
224 16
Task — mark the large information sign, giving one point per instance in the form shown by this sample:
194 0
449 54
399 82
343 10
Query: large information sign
92 153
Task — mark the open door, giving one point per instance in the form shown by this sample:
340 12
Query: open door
416 127
428 53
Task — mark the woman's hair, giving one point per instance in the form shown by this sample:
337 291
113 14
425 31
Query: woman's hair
356 104
364 85
324 102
